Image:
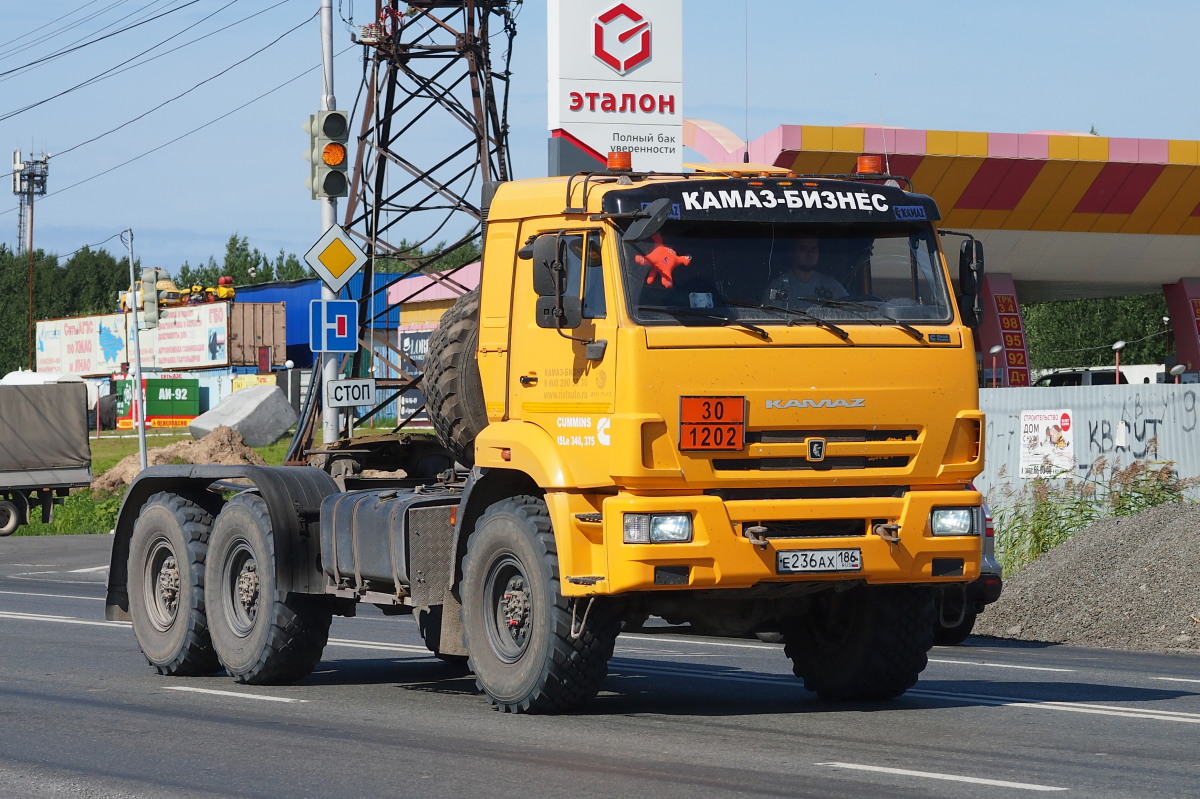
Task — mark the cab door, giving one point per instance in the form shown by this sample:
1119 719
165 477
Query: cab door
563 380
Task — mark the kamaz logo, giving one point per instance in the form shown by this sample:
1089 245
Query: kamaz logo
821 403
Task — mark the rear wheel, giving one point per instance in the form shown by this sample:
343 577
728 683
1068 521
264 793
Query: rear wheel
867 643
261 636
10 516
530 652
957 633
166 586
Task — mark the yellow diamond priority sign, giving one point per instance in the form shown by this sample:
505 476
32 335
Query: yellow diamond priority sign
336 258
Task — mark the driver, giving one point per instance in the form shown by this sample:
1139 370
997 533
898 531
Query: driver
802 283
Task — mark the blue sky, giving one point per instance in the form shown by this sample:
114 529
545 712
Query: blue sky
1126 69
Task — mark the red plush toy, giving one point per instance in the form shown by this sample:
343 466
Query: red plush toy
662 261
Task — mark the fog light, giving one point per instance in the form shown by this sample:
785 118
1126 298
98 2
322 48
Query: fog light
953 521
657 528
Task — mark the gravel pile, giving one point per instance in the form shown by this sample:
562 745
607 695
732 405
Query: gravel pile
1131 583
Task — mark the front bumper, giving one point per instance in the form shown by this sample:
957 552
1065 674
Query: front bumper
596 560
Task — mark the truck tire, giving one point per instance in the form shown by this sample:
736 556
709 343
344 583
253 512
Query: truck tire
453 390
10 517
868 643
956 634
517 624
166 586
260 637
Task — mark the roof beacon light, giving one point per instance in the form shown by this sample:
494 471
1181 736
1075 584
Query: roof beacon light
620 161
869 165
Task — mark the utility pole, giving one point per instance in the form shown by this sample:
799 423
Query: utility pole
330 423
29 181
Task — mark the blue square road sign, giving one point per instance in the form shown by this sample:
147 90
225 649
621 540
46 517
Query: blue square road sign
332 326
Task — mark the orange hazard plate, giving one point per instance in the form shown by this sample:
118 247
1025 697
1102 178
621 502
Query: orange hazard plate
712 423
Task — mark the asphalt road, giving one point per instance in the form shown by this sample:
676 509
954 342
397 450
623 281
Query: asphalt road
82 715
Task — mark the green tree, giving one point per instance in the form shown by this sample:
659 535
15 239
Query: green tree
1082 332
87 283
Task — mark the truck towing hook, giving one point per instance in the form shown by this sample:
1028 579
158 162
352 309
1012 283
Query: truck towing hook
888 532
757 535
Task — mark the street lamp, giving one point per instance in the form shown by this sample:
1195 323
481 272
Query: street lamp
995 350
1177 370
1117 347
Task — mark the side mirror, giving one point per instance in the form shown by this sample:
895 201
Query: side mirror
970 266
559 313
649 221
547 257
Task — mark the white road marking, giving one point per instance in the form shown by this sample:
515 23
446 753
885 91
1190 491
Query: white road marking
1175 679
60 619
934 775
996 665
352 644
727 644
1069 707
92 569
55 596
234 694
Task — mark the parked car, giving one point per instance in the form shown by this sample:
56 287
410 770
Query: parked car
1080 377
959 605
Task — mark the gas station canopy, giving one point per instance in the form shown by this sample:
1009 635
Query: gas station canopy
1067 215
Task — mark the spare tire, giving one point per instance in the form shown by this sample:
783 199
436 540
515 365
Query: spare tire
453 390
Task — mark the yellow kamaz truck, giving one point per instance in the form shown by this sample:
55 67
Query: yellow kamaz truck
738 398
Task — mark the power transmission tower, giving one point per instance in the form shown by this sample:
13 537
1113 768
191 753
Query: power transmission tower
433 137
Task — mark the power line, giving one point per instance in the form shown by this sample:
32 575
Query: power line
61 53
189 133
188 91
115 70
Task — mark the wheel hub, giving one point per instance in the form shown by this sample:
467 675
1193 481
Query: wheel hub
247 589
514 608
167 586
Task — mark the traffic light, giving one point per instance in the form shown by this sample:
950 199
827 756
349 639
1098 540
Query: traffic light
149 298
328 132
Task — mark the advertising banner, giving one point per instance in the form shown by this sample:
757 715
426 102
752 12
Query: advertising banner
616 78
188 337
1047 444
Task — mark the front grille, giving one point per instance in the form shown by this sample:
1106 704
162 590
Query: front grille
811 528
834 436
829 464
818 492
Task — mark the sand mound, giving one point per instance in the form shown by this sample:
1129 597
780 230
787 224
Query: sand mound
223 445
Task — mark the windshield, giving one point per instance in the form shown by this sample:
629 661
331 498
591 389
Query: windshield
773 273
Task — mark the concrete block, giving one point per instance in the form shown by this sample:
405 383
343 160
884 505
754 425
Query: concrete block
260 414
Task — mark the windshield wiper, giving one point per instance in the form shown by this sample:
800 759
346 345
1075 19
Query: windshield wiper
677 311
862 306
818 321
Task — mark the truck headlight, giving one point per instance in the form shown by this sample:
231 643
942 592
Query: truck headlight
954 521
657 528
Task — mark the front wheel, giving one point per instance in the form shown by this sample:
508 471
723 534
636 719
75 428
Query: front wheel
166 586
867 643
532 650
261 637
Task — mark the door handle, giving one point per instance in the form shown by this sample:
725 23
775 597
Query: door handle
528 380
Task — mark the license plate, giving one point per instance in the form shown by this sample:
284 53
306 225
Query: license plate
805 561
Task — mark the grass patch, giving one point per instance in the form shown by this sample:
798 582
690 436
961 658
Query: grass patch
1045 512
81 513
